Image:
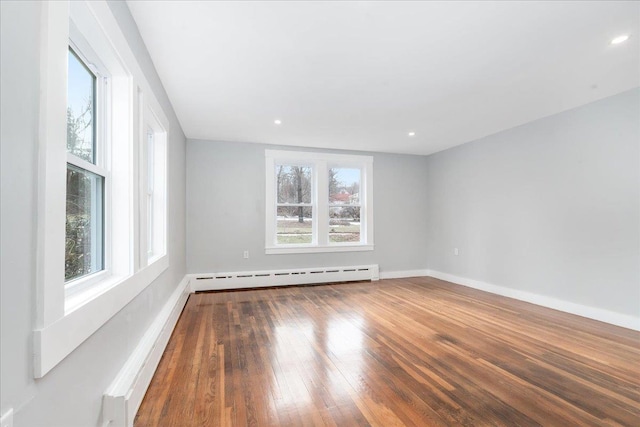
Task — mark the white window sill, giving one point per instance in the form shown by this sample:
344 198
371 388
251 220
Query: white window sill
77 298
86 312
279 250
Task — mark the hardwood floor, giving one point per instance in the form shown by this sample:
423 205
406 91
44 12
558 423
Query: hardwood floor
416 352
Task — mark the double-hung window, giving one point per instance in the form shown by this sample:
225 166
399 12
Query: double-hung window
318 202
153 187
102 178
87 174
295 204
149 192
345 223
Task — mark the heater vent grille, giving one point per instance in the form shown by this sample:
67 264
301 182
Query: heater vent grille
301 276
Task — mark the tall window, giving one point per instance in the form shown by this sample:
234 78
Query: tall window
86 174
101 199
318 202
149 192
153 187
294 207
344 205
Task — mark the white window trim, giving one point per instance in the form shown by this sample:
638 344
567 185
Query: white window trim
75 288
64 322
151 123
320 163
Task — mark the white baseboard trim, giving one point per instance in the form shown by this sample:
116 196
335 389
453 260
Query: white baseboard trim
297 276
403 274
124 396
607 316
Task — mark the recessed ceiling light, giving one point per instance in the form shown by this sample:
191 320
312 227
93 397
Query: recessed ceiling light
412 134
278 122
620 39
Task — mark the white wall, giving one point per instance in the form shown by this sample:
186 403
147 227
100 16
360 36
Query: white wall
550 207
226 212
71 394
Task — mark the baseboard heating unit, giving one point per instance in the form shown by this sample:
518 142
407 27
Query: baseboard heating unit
124 396
298 276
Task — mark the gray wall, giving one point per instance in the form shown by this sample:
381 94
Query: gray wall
71 394
550 207
226 212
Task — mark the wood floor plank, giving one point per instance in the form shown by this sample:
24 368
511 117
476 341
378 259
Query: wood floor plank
414 352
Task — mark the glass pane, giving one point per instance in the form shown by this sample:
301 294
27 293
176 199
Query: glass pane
150 160
344 186
294 224
150 207
80 110
85 223
344 224
294 184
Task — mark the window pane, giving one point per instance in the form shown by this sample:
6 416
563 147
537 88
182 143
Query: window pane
344 224
294 184
80 110
344 186
294 224
85 223
150 207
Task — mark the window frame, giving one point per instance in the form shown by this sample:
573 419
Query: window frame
153 219
65 318
312 203
320 163
80 48
149 191
347 205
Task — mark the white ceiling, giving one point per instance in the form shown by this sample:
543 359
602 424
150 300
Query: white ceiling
361 75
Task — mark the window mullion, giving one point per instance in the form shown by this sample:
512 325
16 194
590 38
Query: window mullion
322 202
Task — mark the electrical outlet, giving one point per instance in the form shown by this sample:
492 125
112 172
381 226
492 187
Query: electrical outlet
455 251
246 255
7 419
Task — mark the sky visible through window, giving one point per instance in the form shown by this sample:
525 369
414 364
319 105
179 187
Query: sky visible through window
347 177
80 89
80 103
